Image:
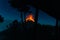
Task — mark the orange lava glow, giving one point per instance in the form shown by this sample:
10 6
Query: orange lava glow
30 18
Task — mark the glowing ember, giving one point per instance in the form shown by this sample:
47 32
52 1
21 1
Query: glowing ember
30 18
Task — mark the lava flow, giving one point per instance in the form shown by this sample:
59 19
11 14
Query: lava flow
30 18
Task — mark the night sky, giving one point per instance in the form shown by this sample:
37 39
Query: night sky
10 14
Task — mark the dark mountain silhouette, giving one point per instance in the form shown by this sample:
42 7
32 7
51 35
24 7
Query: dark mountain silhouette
16 31
47 6
51 7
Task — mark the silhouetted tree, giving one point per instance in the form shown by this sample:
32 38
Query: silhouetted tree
1 19
20 6
26 9
15 4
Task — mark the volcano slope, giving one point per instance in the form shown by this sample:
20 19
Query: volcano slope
17 31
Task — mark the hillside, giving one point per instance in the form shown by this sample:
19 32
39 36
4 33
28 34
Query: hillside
28 31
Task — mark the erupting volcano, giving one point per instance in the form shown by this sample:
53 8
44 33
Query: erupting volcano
30 17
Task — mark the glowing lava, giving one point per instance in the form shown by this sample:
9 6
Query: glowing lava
30 18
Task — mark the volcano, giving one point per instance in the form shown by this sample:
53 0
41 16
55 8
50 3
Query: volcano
30 17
